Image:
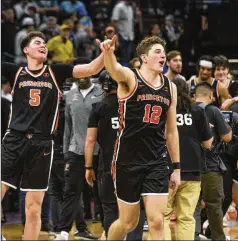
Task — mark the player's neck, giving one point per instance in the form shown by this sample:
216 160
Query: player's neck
170 75
150 76
34 64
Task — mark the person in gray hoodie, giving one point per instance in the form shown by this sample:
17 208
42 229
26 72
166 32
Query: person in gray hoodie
79 102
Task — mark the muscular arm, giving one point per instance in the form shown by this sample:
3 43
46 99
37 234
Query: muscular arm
87 70
122 75
172 138
91 139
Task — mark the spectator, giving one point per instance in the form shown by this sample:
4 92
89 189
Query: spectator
48 8
175 64
31 10
155 30
73 6
123 18
20 8
78 106
60 47
28 26
171 33
9 30
50 29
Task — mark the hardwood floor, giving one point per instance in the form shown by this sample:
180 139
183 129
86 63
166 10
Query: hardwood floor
14 232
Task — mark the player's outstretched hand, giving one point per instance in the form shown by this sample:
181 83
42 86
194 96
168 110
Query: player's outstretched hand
108 44
90 177
175 180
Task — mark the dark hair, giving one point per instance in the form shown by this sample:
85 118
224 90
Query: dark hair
221 61
4 80
203 89
233 89
33 34
184 101
172 54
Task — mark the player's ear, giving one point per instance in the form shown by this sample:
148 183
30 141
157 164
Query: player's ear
25 50
143 58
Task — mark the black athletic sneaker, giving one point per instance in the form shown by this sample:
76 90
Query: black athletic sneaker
86 235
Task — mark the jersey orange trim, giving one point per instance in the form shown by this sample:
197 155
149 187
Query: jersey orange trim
150 85
35 75
15 79
54 79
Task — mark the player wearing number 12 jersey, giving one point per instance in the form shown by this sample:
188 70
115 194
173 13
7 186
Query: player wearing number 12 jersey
27 148
147 109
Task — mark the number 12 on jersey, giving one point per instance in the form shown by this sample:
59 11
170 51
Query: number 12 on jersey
152 115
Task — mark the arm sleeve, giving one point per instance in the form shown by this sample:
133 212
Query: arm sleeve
67 128
9 71
220 124
94 116
204 127
62 72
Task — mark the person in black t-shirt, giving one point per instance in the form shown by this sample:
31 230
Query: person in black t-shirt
27 149
194 130
103 127
212 179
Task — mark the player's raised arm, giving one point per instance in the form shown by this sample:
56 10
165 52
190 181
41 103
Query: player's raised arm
116 70
87 70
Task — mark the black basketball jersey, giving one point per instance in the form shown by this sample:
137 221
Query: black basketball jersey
142 122
193 128
105 117
215 83
35 102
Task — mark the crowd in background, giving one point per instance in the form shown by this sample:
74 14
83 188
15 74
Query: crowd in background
71 29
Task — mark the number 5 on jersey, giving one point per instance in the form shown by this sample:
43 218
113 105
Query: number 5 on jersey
34 97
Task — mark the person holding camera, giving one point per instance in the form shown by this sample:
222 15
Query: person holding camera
212 178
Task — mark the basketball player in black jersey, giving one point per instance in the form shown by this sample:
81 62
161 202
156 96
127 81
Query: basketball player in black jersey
147 108
102 127
206 67
27 148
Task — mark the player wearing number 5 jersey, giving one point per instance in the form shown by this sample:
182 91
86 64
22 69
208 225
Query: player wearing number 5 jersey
27 148
147 104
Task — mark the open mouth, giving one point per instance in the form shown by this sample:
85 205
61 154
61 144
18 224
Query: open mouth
42 51
162 62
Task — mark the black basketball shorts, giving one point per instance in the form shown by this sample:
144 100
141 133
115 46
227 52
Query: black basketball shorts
235 178
133 181
26 160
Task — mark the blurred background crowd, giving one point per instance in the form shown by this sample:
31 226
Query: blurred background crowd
192 27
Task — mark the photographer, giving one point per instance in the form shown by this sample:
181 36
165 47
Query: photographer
212 179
